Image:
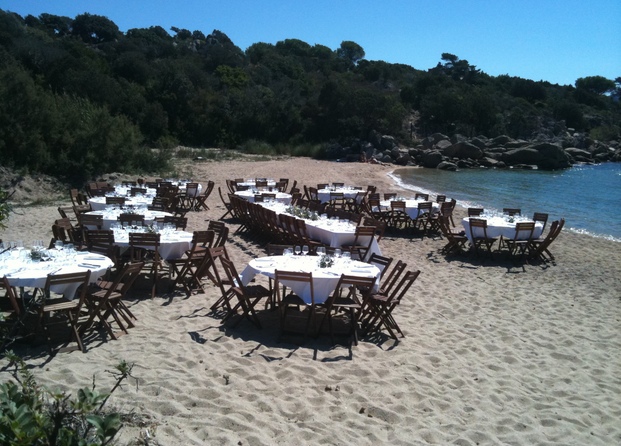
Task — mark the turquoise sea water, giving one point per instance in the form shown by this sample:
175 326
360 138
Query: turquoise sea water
588 197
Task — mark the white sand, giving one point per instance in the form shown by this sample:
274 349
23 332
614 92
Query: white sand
491 355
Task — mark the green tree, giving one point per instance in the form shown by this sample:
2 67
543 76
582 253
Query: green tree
93 28
595 84
350 52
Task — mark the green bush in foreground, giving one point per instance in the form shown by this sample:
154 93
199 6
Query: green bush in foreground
32 415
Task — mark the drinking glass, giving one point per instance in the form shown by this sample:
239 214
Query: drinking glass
305 250
321 250
346 256
59 245
338 252
288 252
297 250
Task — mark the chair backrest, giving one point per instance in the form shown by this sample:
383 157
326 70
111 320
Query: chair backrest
313 193
322 185
179 222
380 226
126 278
221 232
303 280
131 219
440 198
91 220
390 195
65 281
475 212
398 291
137 191
115 200
231 274
397 206
524 230
382 262
425 206
203 239
144 240
99 240
480 223
392 277
512 211
364 236
541 217
349 286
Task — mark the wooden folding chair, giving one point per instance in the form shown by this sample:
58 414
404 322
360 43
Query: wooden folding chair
67 307
382 262
478 236
107 303
361 245
455 241
144 247
518 246
284 280
379 307
247 296
345 299
201 200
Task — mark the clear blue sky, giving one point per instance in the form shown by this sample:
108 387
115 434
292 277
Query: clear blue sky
553 40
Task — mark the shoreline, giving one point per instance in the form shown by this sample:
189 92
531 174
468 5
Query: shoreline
492 354
574 217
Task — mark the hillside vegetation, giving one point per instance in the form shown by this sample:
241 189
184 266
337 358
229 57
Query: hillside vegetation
79 97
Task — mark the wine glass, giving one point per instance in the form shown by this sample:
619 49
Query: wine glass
338 252
59 245
297 250
346 256
305 250
288 252
321 250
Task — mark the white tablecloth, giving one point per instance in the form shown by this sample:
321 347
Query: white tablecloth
253 183
99 203
111 215
329 232
325 280
173 244
411 207
500 226
248 195
23 272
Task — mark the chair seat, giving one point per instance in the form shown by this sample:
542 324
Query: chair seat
60 305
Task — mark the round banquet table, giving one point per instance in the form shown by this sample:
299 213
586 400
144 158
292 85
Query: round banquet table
248 195
99 203
411 207
22 272
348 193
173 243
325 280
111 215
501 226
253 183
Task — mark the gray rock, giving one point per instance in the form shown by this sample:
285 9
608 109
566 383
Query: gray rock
431 158
546 156
443 145
387 159
446 165
578 153
463 150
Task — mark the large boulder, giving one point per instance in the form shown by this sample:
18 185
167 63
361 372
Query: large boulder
463 150
546 156
446 165
431 159
387 143
443 145
579 154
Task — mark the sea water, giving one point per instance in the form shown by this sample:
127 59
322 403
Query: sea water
587 196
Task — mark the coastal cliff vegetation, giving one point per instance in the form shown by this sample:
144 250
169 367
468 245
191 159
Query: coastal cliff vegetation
78 97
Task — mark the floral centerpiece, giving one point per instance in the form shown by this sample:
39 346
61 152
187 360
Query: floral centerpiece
326 261
302 213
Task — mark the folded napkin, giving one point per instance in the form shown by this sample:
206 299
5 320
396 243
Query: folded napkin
88 265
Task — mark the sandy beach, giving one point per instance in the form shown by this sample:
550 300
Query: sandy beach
492 354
